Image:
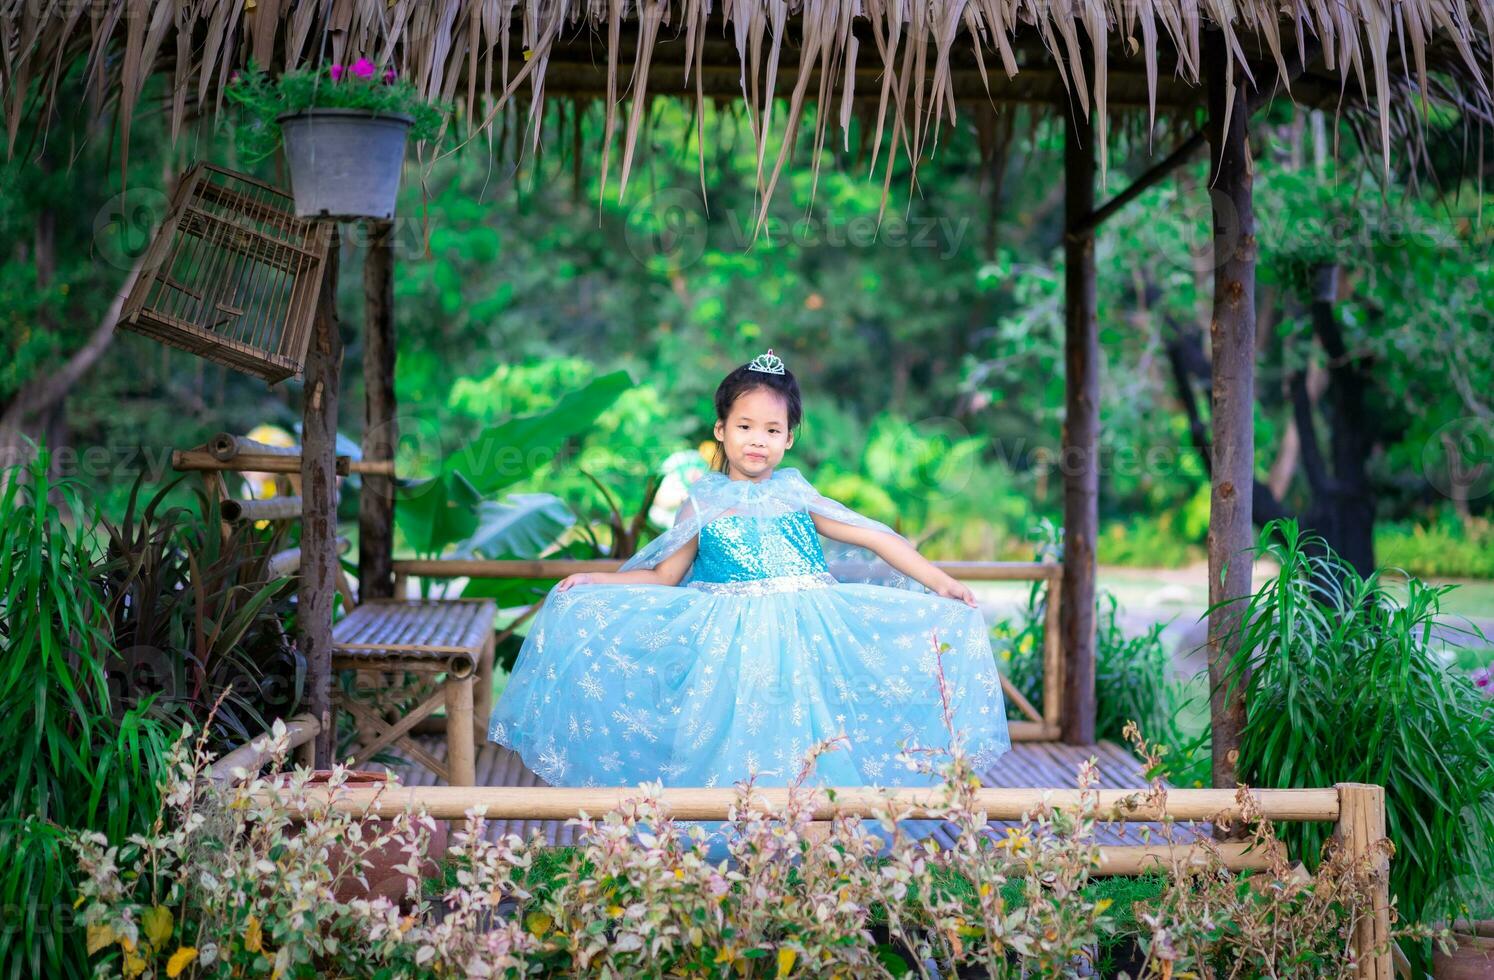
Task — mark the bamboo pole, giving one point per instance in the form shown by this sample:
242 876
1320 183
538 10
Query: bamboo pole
688 803
971 571
1033 731
225 446
268 509
300 730
1361 828
287 562
1053 655
202 460
461 755
1135 859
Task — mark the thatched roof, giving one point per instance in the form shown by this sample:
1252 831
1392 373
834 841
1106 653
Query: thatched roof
905 67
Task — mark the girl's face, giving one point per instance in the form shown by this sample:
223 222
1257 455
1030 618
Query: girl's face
755 434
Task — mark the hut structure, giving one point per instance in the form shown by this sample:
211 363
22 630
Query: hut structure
903 69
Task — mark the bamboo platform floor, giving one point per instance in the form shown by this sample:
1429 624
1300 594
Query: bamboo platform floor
1028 764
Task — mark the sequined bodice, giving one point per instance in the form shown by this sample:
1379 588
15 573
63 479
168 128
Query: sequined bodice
737 548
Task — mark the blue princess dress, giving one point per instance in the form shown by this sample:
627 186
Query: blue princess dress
778 637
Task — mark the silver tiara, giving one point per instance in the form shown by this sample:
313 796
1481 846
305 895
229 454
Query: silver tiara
768 363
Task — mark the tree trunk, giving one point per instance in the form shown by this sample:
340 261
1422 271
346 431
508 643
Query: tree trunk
380 427
1232 342
318 572
1079 458
1343 502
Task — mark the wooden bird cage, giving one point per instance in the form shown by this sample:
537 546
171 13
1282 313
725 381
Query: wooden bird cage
232 275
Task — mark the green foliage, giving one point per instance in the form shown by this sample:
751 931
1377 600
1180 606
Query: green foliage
1344 687
1149 541
70 753
1444 547
436 513
194 615
362 85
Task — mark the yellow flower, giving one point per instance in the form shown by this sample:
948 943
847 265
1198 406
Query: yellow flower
614 910
157 923
786 959
134 963
253 936
1102 905
180 960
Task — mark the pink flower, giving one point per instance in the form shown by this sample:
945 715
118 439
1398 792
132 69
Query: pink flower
363 68
389 75
1484 678
336 72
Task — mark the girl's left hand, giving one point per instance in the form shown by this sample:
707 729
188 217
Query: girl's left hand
953 588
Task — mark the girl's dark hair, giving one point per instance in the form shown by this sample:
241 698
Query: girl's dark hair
740 382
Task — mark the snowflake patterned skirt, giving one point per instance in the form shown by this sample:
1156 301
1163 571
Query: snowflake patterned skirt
703 685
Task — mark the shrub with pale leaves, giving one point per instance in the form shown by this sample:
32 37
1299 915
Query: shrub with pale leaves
241 879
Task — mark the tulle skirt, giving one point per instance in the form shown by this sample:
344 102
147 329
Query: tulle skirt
703 685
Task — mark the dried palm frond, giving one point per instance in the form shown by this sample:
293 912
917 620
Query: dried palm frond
919 58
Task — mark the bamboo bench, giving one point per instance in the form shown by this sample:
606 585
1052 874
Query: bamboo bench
453 637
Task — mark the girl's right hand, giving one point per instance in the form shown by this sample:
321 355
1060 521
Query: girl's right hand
578 578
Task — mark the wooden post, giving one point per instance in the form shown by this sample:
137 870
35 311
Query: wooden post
1053 655
380 428
1079 459
1361 826
318 571
1232 343
461 762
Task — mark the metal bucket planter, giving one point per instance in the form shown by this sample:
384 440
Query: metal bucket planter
344 163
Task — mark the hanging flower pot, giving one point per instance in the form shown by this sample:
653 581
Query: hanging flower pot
344 130
344 163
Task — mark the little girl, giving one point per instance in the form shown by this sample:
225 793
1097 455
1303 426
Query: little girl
769 647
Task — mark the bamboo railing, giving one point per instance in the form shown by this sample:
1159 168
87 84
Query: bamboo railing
1042 724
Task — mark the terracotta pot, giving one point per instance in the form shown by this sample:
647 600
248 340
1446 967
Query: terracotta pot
1474 957
382 877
